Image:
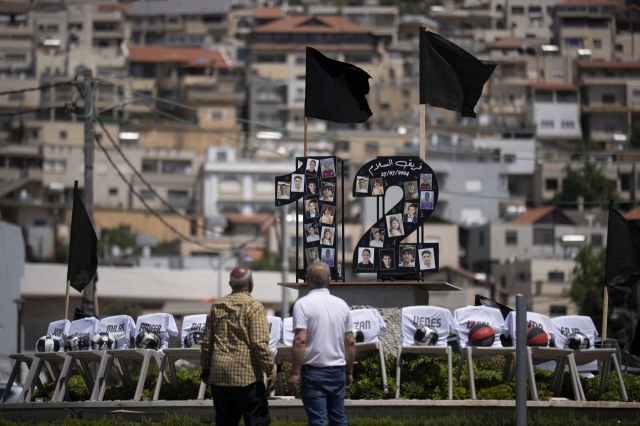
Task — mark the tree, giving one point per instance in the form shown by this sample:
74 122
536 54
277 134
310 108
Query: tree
588 182
634 141
587 291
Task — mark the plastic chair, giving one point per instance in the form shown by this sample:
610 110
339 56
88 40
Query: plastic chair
27 359
439 319
370 323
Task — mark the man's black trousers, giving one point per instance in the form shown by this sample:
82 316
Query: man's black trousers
233 402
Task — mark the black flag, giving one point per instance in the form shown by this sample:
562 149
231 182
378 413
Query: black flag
450 77
79 314
335 91
83 246
485 301
621 270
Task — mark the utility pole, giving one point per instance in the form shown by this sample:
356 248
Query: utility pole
88 294
284 257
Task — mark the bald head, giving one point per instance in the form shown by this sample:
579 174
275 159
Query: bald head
318 275
241 279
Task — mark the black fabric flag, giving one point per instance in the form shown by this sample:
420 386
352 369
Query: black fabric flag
335 91
79 314
485 301
621 270
450 77
83 245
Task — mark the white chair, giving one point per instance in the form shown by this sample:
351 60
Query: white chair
275 335
51 360
414 317
371 323
27 359
566 325
285 350
464 319
537 355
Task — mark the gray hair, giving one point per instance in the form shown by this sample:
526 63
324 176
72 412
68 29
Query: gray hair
242 282
319 274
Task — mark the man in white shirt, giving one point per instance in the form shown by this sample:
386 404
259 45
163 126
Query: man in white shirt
323 349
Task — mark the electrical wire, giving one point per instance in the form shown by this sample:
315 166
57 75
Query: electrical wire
46 86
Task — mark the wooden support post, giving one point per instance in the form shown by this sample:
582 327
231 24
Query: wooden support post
66 304
605 313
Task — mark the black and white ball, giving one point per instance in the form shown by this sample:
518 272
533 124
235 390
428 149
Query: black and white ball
358 335
425 336
577 340
47 344
147 340
103 341
77 342
193 339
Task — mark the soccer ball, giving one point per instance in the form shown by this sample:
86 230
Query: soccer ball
77 342
425 336
193 339
577 340
147 340
47 344
103 341
358 335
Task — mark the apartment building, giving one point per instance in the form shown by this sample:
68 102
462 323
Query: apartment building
526 20
179 23
627 34
556 113
380 20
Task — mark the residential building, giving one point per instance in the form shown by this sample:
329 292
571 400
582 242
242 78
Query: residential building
526 20
627 37
556 113
380 20
180 23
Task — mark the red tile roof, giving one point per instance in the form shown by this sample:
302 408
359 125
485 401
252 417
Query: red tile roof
555 86
320 47
533 215
608 65
633 214
13 8
110 7
267 13
187 57
312 25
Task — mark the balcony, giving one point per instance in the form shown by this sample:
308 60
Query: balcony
604 81
610 107
15 32
212 96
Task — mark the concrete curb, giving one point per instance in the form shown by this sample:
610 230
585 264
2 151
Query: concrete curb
292 409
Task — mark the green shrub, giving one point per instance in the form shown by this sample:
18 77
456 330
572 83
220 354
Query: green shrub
76 388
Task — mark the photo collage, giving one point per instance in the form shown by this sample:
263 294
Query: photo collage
319 185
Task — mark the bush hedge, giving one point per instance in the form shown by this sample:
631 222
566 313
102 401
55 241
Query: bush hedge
422 378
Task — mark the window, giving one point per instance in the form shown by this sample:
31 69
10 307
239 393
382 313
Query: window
16 96
481 239
543 236
609 127
546 124
636 96
113 191
509 158
596 240
473 185
625 182
57 166
551 184
567 124
574 42
557 310
597 43
63 135
177 196
608 98
511 238
371 148
147 195
619 48
535 9
555 277
517 10
34 135
301 60
384 107
176 167
503 182
15 57
221 156
149 166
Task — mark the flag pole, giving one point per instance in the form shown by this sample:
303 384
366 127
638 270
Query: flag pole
66 305
306 122
423 130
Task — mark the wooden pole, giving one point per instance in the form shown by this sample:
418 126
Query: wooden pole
66 304
605 313
306 123
95 303
423 130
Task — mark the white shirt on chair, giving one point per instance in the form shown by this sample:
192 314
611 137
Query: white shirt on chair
466 318
414 317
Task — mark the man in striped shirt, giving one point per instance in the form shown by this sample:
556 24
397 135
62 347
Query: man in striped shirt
235 354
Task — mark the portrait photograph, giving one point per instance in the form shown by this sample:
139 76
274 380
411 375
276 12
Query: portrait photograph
376 187
327 236
327 192
312 232
410 213
328 256
311 255
298 183
362 184
395 227
327 213
283 190
425 181
411 191
328 168
311 209
377 237
387 259
365 258
407 257
427 259
312 166
312 186
426 200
